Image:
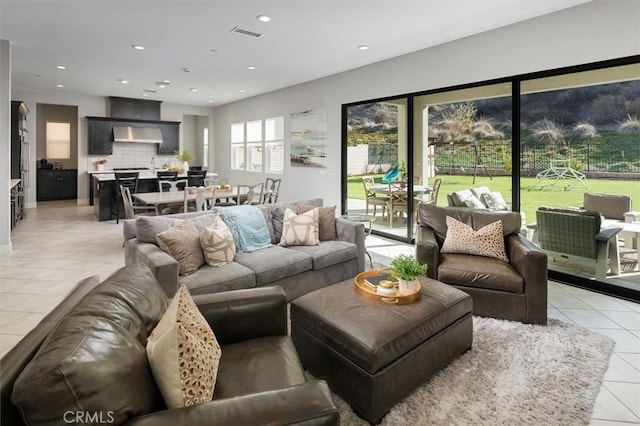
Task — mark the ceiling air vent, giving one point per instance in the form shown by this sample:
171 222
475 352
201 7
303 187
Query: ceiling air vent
245 32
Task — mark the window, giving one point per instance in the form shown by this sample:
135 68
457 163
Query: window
258 146
205 147
237 146
274 145
58 139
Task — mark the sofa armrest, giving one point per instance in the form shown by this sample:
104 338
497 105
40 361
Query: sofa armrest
607 233
309 403
531 264
245 314
427 250
163 266
352 232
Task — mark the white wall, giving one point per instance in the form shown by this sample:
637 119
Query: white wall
5 146
587 33
93 106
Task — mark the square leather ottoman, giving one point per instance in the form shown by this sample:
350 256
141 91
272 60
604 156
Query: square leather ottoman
374 354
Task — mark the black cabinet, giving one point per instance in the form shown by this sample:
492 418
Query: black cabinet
57 184
19 141
137 109
100 137
170 138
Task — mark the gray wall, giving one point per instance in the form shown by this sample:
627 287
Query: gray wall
587 33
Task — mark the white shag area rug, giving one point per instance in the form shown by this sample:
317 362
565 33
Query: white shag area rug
515 374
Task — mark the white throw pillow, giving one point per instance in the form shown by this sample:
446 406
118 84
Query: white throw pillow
300 230
217 243
184 354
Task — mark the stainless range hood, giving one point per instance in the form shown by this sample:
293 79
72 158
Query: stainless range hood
137 134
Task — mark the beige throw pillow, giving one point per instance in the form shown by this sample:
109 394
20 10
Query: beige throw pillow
184 354
300 230
217 243
182 242
486 241
326 221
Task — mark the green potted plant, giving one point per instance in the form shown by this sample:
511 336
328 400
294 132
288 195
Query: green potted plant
407 269
184 157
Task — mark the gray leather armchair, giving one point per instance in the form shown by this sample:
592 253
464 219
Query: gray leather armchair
88 355
514 290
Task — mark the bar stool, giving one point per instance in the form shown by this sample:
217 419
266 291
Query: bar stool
127 180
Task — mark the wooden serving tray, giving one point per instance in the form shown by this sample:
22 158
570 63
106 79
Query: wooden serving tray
367 292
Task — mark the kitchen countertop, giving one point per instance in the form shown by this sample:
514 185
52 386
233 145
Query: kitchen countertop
109 175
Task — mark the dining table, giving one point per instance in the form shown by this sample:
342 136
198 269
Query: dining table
385 189
177 197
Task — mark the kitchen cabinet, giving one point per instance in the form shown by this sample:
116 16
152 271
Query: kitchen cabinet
137 109
57 184
100 136
19 141
170 138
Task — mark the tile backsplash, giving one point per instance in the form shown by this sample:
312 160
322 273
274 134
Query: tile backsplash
131 154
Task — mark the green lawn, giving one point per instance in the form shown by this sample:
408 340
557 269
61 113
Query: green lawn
531 198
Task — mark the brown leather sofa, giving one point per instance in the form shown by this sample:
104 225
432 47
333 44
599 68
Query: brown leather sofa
85 363
516 290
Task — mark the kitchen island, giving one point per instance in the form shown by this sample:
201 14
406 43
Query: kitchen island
102 190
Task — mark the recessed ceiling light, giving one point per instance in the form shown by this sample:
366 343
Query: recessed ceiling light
363 47
193 89
210 101
251 67
145 94
263 18
242 90
162 84
60 86
137 46
185 69
123 81
214 51
61 67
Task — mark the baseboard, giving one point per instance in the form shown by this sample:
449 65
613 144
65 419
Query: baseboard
5 249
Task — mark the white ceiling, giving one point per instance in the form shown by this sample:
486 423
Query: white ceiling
305 40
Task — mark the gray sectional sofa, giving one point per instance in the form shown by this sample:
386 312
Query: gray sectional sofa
297 269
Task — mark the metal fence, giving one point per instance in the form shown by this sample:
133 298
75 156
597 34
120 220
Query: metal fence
590 156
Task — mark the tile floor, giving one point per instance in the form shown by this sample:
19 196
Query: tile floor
60 243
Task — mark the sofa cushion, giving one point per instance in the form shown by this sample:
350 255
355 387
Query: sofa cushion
459 197
329 253
473 202
183 353
275 263
217 243
494 201
258 365
277 214
486 241
214 279
147 227
326 221
248 227
479 272
94 360
182 242
300 229
479 191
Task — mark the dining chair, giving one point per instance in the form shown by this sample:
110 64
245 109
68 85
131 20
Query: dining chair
433 196
397 202
123 179
271 190
371 198
196 177
199 203
131 211
165 175
249 194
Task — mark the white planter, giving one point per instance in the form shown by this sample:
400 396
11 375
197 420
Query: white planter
407 287
185 166
99 167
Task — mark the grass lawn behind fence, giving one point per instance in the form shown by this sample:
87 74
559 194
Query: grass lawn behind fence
531 198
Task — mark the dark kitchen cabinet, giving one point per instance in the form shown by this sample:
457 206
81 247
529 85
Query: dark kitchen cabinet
137 109
19 141
57 184
100 137
170 138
